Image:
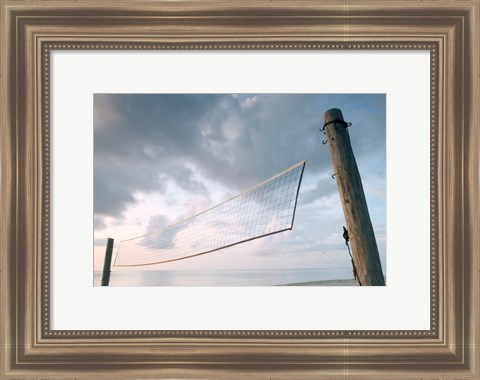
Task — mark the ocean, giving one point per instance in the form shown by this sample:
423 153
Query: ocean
252 277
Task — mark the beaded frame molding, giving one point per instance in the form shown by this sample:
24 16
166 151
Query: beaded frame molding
48 48
31 30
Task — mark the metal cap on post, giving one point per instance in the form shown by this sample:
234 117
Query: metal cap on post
362 237
107 263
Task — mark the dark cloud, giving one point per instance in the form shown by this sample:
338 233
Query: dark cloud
99 223
142 142
157 223
184 178
323 188
110 196
147 142
165 240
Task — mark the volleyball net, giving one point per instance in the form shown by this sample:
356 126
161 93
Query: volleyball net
264 209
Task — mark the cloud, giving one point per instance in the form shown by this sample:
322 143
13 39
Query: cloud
324 188
99 223
156 240
151 143
184 177
249 102
157 223
187 146
111 196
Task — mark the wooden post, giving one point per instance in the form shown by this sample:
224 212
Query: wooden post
360 229
107 263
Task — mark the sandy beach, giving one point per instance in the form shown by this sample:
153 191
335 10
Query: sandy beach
347 282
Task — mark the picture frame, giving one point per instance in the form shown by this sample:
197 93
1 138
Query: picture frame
31 30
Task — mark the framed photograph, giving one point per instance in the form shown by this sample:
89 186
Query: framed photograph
193 156
237 204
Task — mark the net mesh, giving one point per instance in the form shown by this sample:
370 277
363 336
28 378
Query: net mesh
262 210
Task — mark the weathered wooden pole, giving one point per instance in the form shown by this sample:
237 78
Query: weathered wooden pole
107 263
360 229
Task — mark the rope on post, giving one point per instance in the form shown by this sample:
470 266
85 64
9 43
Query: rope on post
347 238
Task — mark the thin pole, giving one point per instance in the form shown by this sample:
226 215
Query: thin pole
362 237
107 263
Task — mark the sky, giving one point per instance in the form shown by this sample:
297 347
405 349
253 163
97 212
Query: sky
162 158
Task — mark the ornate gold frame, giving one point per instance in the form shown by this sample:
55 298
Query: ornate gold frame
31 29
